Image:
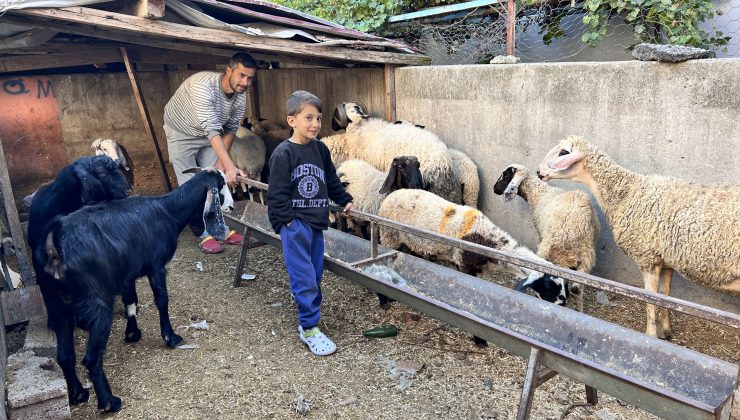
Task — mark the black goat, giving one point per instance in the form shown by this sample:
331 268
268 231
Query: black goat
99 251
87 180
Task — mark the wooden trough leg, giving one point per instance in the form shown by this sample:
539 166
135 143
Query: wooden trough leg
242 257
530 382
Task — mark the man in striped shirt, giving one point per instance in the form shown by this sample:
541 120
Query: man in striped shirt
200 121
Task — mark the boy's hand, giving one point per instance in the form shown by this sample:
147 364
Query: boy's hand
347 207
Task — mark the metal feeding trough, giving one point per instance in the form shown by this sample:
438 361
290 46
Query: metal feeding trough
660 377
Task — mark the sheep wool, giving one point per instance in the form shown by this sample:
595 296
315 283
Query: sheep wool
377 142
662 223
425 210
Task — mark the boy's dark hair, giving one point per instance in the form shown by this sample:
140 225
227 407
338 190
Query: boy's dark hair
244 59
299 99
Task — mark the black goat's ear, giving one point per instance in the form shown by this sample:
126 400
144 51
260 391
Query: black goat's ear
213 218
192 170
54 266
91 189
390 181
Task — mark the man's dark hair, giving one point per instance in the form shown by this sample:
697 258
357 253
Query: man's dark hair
299 99
244 59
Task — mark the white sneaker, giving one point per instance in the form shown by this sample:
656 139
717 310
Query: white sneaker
317 342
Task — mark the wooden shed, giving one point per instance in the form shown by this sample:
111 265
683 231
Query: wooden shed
87 69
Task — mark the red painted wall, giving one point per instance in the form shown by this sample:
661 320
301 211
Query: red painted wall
31 131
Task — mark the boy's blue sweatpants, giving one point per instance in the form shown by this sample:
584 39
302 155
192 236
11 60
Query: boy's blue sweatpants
303 251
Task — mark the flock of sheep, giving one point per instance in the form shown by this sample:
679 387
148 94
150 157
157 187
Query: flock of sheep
397 170
661 223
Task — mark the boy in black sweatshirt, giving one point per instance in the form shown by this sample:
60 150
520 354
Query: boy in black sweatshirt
302 180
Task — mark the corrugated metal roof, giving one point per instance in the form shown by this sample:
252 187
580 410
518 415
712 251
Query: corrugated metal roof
212 26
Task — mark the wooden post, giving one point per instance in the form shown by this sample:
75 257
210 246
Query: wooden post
510 26
254 102
14 224
390 93
145 116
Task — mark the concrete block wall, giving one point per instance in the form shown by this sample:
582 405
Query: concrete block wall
678 120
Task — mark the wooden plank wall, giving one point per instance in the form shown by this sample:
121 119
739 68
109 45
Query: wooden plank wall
3 365
332 86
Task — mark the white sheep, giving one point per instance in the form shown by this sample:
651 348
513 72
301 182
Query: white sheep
565 220
377 142
368 186
465 188
425 210
662 223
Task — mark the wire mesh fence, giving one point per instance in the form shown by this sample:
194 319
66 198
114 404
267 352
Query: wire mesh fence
549 31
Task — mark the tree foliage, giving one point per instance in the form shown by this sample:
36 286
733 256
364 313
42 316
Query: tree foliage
658 21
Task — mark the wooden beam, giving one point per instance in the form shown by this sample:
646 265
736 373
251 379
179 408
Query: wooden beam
49 61
14 223
105 22
143 40
147 119
149 9
27 39
390 92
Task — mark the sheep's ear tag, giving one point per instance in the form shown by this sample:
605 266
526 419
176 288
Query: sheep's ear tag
194 170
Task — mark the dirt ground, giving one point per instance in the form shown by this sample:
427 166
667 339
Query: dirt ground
251 364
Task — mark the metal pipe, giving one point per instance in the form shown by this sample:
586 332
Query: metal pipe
690 308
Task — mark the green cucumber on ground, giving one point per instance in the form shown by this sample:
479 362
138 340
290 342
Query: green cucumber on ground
381 331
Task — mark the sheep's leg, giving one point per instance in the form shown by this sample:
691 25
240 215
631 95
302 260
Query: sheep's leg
66 359
666 276
651 279
93 360
158 282
130 301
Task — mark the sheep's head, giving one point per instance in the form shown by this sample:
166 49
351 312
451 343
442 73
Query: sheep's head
510 180
546 287
112 149
403 173
346 113
564 161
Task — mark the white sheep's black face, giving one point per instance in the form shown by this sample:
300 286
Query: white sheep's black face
560 161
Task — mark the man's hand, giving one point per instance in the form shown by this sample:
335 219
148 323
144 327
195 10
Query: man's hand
231 174
347 207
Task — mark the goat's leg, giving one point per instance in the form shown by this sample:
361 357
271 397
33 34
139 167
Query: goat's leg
666 276
158 282
651 279
93 360
130 301
66 358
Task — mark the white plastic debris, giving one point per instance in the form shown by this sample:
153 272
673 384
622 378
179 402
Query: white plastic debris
202 325
301 404
248 277
386 274
401 370
602 298
188 346
276 304
199 266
